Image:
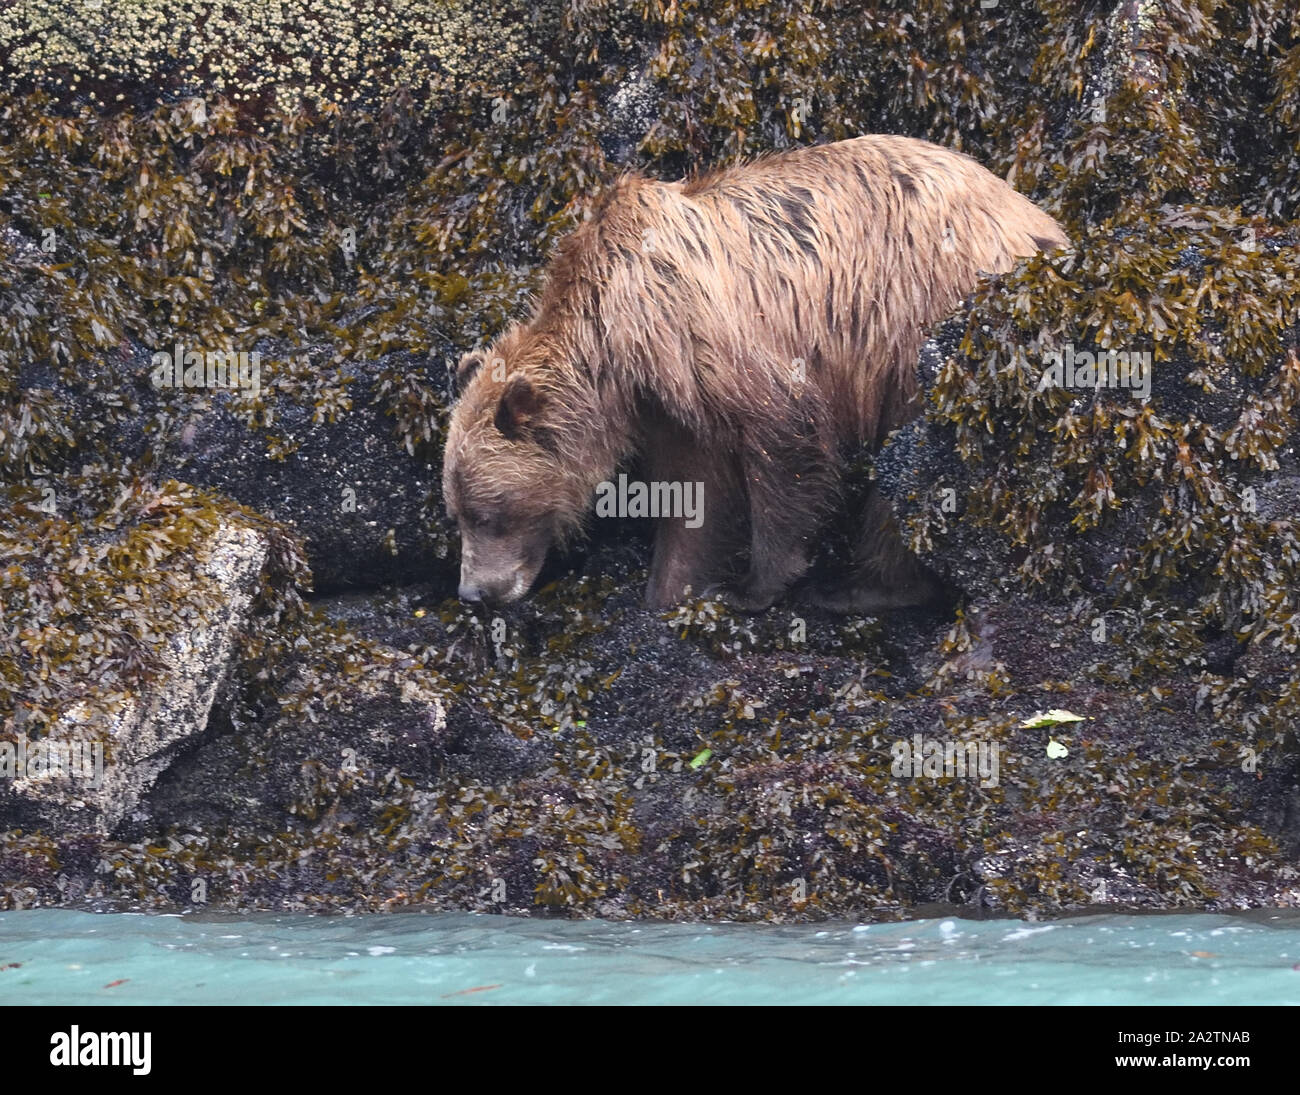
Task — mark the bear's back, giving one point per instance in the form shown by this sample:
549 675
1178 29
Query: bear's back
809 275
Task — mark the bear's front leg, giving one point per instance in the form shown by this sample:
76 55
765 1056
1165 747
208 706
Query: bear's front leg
687 561
696 548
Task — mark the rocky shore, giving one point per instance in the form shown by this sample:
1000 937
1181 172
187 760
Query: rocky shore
244 595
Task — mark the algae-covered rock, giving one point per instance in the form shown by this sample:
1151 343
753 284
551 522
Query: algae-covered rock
343 709
81 750
1128 560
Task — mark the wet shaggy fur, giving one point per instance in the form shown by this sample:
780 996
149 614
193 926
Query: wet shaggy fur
735 329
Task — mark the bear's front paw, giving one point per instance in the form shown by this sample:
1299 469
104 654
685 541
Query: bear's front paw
740 598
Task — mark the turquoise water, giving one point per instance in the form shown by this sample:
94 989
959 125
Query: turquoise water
85 958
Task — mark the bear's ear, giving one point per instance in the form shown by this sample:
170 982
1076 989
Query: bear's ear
466 367
519 407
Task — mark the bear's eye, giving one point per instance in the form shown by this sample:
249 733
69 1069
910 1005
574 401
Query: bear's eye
474 519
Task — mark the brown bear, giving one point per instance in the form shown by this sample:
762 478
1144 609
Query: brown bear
733 330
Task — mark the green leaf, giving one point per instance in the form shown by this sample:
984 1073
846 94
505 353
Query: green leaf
701 758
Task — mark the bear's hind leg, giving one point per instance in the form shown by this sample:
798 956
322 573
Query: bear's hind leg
787 497
885 574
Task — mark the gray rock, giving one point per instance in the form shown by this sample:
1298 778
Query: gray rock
92 767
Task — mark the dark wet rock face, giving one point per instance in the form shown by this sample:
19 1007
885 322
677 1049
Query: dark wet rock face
325 448
1105 714
338 475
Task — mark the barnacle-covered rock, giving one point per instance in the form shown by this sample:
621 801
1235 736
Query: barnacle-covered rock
340 50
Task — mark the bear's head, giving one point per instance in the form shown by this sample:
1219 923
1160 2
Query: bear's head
503 480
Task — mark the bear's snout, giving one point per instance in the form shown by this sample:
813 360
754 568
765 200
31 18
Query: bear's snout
500 569
493 593
470 593
498 588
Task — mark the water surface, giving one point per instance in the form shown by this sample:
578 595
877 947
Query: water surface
69 957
